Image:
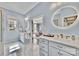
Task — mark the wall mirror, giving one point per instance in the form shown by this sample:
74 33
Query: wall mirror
11 23
65 17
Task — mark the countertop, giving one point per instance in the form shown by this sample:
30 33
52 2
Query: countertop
68 42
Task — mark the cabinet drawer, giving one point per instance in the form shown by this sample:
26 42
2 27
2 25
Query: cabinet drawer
77 52
63 47
53 51
61 53
69 50
43 41
53 44
43 53
44 47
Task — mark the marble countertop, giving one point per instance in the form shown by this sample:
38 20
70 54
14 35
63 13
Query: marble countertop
69 42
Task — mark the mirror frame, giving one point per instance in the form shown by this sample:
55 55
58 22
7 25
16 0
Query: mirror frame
75 8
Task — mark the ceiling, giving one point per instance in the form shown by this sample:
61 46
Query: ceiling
20 7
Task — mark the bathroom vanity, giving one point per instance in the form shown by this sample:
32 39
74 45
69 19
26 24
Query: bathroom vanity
57 47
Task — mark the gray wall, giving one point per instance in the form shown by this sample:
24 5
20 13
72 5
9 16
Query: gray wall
44 9
11 36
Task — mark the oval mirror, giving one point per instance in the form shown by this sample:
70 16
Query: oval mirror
64 17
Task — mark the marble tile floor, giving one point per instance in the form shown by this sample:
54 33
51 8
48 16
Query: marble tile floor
31 50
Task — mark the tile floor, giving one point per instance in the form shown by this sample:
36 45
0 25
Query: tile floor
31 49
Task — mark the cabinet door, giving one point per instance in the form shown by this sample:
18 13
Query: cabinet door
62 53
53 51
43 53
67 49
63 47
77 52
43 47
43 41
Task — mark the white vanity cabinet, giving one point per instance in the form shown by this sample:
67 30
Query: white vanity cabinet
52 48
